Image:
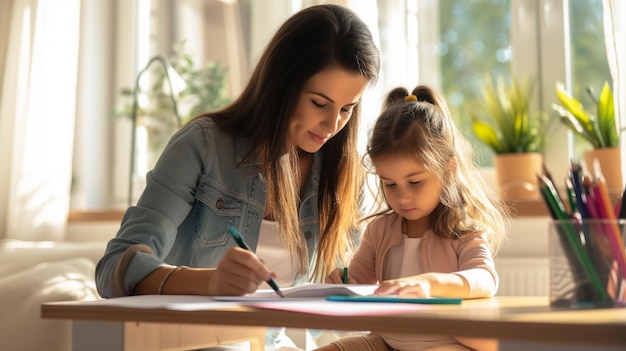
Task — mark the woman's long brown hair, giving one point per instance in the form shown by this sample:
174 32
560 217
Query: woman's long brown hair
310 41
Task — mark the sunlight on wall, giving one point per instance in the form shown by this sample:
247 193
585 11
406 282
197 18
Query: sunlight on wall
73 285
18 244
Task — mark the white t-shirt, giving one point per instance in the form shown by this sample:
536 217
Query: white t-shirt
275 254
404 261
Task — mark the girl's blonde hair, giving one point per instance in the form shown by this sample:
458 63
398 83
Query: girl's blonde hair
419 125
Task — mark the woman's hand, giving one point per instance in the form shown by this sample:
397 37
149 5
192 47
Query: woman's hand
239 272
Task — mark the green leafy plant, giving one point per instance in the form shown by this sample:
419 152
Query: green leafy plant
599 130
509 126
205 91
206 86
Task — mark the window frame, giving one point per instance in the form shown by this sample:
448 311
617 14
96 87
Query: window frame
540 46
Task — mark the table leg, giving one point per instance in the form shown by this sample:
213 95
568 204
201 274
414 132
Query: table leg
97 336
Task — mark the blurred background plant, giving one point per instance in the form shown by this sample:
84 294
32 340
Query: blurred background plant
508 124
205 91
599 130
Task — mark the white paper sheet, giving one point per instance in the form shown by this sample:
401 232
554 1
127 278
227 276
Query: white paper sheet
170 302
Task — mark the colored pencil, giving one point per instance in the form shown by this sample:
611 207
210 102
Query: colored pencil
574 251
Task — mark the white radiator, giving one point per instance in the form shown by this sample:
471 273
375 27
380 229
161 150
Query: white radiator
523 276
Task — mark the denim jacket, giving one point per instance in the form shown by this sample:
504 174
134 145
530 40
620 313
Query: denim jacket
195 191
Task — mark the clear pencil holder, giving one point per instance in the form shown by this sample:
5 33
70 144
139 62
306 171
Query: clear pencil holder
587 263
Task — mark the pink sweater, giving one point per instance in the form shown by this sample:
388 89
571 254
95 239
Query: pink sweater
468 256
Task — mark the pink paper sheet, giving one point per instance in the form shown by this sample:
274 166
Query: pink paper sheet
331 308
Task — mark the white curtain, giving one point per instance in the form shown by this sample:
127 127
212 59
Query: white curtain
615 39
213 31
37 111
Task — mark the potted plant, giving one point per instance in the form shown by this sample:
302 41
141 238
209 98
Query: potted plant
205 90
599 130
514 133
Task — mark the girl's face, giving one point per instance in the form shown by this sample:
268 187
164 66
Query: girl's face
411 190
324 107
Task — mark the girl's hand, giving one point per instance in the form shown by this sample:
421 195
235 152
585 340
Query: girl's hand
426 285
415 286
335 277
239 272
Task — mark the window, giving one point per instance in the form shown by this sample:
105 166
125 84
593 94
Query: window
451 44
541 39
473 41
590 68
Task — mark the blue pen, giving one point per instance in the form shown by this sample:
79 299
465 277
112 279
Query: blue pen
242 244
579 190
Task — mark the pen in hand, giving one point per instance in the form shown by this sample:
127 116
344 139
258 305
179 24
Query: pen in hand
242 244
345 275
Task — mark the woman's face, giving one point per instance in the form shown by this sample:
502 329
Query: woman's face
324 107
410 188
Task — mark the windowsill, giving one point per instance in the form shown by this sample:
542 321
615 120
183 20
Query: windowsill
528 208
95 216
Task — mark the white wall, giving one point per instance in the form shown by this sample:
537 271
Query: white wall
91 231
523 264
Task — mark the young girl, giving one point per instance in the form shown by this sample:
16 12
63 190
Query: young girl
440 226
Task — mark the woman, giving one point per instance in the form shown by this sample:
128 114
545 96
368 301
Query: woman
280 164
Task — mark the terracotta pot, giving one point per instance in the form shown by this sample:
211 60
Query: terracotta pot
610 165
516 175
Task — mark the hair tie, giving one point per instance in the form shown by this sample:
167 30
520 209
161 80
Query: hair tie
410 98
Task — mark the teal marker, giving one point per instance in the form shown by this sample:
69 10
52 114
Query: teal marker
394 299
242 244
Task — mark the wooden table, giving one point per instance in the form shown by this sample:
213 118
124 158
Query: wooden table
521 323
